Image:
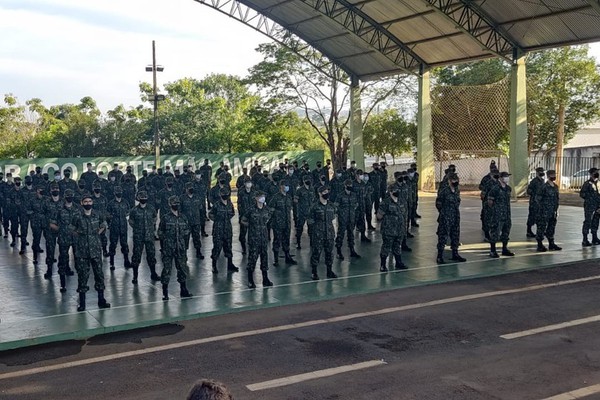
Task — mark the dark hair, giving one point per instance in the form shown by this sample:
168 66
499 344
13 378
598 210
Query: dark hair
207 389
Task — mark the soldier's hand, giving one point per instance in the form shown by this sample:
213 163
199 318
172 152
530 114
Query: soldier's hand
490 203
54 227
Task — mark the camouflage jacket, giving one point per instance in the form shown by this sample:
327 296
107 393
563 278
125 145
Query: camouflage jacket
143 222
173 231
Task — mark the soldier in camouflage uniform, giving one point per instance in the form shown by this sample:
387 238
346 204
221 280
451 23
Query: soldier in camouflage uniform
447 204
87 227
547 198
128 189
164 195
80 192
221 214
532 189
499 218
89 177
304 199
201 191
3 205
413 191
142 219
375 182
206 172
173 232
487 182
52 207
245 200
416 176
68 183
336 185
215 192
393 215
360 188
35 214
346 205
100 206
591 205
281 222
256 218
322 233
116 216
15 200
28 195
192 207
66 239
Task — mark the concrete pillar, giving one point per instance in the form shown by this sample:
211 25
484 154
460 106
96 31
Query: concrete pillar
425 161
518 157
357 150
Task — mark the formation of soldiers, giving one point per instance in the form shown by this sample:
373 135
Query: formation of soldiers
89 218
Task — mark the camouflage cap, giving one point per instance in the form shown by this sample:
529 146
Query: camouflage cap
453 177
28 179
173 201
86 196
539 169
348 182
323 188
54 185
118 190
189 185
259 193
224 191
551 172
222 176
198 172
504 174
96 185
40 187
168 179
69 192
592 170
392 188
142 194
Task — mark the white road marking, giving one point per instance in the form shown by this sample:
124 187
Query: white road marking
280 328
549 328
290 380
576 394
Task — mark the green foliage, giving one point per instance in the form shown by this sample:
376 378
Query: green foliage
389 133
472 74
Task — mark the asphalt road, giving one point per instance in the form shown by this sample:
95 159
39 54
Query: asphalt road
436 342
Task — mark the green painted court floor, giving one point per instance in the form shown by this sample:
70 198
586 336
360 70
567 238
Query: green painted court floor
33 311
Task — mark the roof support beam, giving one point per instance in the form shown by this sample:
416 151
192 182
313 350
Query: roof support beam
595 5
473 21
548 15
387 24
433 39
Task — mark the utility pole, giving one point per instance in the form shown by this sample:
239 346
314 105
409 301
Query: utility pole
155 99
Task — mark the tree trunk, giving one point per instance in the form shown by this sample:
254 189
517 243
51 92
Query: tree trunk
560 137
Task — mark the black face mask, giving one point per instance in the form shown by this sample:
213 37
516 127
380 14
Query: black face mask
81 186
169 185
496 176
69 199
406 178
325 196
541 174
41 192
222 182
349 188
175 207
455 184
143 201
596 175
225 197
307 183
552 178
55 193
67 175
87 206
396 193
17 183
118 196
400 180
96 190
46 178
191 191
144 174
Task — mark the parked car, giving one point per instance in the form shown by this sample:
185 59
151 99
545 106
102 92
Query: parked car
565 181
579 178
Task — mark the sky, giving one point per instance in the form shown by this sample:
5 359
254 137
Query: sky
63 50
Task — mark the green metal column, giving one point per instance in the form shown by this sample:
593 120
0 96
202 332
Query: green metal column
518 156
425 161
357 151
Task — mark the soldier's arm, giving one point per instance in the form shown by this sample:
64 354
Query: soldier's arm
131 217
161 229
583 192
244 220
102 226
211 213
381 211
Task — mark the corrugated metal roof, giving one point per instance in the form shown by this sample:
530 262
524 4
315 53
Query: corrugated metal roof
586 137
364 36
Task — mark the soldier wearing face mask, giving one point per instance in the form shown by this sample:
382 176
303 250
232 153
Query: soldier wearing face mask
336 185
532 189
89 177
164 195
100 206
116 213
37 218
130 175
280 173
393 215
80 192
368 202
303 199
281 223
201 190
52 208
322 233
404 198
448 203
591 208
413 190
239 183
142 219
360 189
245 201
66 238
256 220
351 172
115 173
192 207
3 205
228 176
547 198
221 213
485 186
375 183
15 202
319 173
67 183
499 216
215 192
206 172
28 194
346 204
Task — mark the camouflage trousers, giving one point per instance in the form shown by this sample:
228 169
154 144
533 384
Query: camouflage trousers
120 236
196 240
448 228
50 237
546 225
533 210
281 237
256 250
82 266
138 249
221 242
591 219
391 244
499 229
344 227
319 245
63 255
180 265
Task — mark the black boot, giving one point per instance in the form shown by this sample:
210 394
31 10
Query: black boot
214 266
595 239
289 260
63 283
251 284
413 223
81 306
298 246
14 240
153 275
530 233
553 245
183 291
135 274
231 267
23 247
399 263
506 251
275 258
69 272
203 233
35 257
330 273
199 254
104 252
457 257
405 246
266 281
314 276
540 247
383 264
586 242
102 303
364 238
440 256
243 243
48 274
126 260
165 289
112 262
493 252
353 253
409 235
339 253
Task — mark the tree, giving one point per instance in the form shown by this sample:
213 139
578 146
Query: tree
389 133
293 83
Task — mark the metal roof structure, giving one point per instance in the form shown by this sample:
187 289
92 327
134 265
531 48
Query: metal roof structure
376 38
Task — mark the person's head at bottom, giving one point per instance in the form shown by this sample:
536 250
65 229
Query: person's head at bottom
208 389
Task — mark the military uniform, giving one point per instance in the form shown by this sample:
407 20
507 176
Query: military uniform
52 207
142 219
201 191
375 183
360 188
116 215
221 214
547 198
499 216
38 220
322 233
532 189
448 206
281 222
392 214
346 205
128 190
304 199
245 201
66 239
257 220
485 185
192 206
591 204
89 177
100 206
16 211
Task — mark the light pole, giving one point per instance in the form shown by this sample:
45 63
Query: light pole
155 99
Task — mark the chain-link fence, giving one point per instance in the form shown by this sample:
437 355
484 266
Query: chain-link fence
574 169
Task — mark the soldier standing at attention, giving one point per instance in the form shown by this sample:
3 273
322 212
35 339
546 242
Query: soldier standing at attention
52 207
239 183
89 177
100 205
448 203
221 214
35 212
142 219
547 198
375 183
346 205
201 191
87 227
281 223
206 172
487 182
336 185
245 201
173 232
192 207
532 189
591 204
499 219
66 239
413 190
392 214
256 218
322 233
304 199
416 176
360 189
116 215
115 173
